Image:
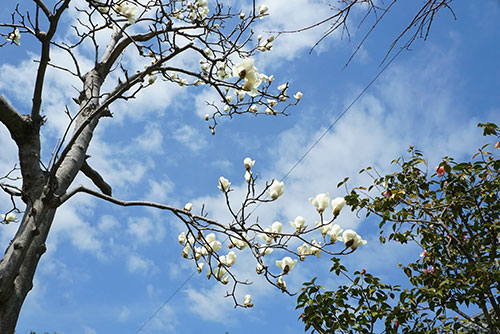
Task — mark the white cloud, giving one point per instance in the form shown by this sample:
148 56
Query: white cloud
210 305
151 140
124 314
290 16
70 223
88 330
143 230
108 224
140 265
190 137
160 191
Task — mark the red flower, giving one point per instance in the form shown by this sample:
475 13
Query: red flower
440 171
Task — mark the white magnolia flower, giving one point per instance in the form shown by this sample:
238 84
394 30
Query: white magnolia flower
276 227
247 71
262 10
271 78
253 108
272 102
335 233
200 266
219 272
267 237
209 272
182 238
281 283
103 9
127 10
228 259
225 279
259 269
186 251
248 176
209 53
286 264
248 163
298 96
247 301
266 250
298 223
222 73
151 79
188 206
337 205
205 66
352 239
207 116
238 243
304 250
316 248
283 87
224 184
321 202
241 95
212 242
276 189
15 36
324 229
10 217
198 252
202 250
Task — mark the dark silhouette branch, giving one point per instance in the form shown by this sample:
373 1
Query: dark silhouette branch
96 178
11 119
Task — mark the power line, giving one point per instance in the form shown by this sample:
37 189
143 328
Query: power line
166 302
342 114
293 167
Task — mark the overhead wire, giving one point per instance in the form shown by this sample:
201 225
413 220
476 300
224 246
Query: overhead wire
316 142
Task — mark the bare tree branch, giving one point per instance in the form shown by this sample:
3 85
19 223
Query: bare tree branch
11 119
45 9
191 217
96 178
45 39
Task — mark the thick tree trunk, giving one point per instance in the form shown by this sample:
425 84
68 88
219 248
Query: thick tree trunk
17 267
41 193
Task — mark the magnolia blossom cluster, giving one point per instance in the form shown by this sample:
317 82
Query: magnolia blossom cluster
262 9
322 201
262 241
252 78
128 10
203 253
198 10
249 81
265 45
15 36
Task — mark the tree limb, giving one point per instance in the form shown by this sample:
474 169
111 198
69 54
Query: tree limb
45 39
96 178
43 7
179 212
11 119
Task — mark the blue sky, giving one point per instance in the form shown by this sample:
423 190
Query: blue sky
107 269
